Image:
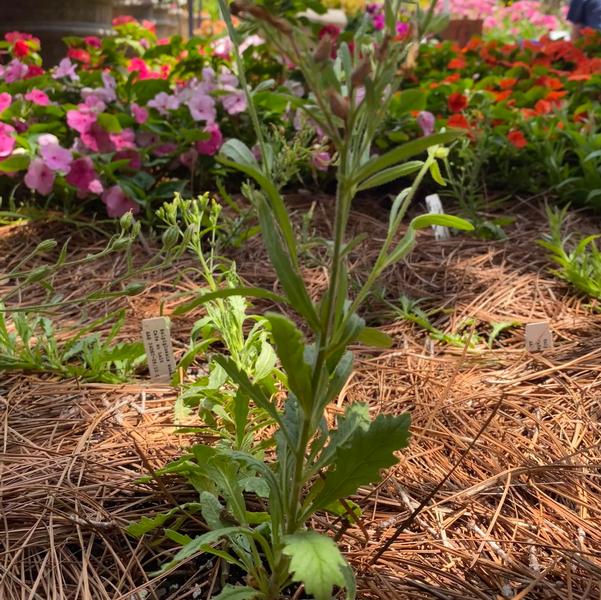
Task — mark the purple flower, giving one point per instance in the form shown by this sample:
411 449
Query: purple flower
55 157
202 107
39 177
321 160
234 103
65 69
164 102
426 121
15 70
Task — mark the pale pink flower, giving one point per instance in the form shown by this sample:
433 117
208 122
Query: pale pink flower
426 121
96 187
39 177
80 120
202 108
55 156
139 113
251 40
321 160
65 69
222 48
93 101
7 140
5 101
124 140
213 144
15 70
227 79
234 103
37 97
117 203
164 102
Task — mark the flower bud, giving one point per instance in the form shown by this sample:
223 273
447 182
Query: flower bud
37 274
126 221
440 152
360 73
119 243
134 288
170 237
338 104
323 51
45 246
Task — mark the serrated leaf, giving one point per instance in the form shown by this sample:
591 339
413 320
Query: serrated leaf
316 562
359 461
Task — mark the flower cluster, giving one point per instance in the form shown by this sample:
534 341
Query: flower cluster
119 126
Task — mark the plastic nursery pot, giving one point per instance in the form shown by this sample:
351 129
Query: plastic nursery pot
52 20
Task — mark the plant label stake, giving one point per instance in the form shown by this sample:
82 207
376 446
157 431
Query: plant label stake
538 337
434 205
159 350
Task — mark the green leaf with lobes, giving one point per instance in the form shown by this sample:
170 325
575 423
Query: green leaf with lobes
316 562
359 461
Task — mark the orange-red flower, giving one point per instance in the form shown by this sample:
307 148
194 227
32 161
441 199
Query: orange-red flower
456 102
456 63
508 83
501 96
543 107
458 121
517 138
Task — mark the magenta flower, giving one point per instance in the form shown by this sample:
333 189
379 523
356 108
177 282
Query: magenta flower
321 160
117 203
15 70
402 28
37 97
5 101
124 140
140 114
97 139
135 162
82 174
189 158
80 120
211 146
234 103
202 108
164 149
426 121
55 157
39 177
65 69
93 41
379 22
7 140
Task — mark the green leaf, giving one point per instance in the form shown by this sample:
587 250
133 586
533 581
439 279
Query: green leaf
436 174
409 100
145 524
17 162
237 592
315 561
240 153
388 175
290 348
424 221
254 292
109 123
211 510
147 89
374 338
401 153
359 461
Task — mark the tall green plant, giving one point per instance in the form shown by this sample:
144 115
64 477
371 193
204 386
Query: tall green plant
317 464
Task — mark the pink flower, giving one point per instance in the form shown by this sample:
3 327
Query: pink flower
135 162
65 69
15 70
55 157
189 158
202 108
7 140
97 139
211 146
426 121
140 114
164 149
222 47
39 177
379 22
82 173
164 102
234 103
5 101
321 160
227 79
96 187
93 101
402 28
37 97
124 140
93 41
117 203
80 120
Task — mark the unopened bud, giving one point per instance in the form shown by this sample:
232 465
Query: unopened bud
38 274
170 237
360 73
440 152
120 243
134 288
338 104
323 51
45 246
126 221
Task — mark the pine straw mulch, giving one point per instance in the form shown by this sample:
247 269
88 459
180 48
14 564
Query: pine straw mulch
518 518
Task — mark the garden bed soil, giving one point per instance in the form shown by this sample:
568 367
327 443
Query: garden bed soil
518 518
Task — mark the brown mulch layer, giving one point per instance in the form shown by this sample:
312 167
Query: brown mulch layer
519 517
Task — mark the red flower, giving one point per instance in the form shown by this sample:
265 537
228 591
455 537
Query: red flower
517 139
452 78
456 102
79 54
543 107
149 26
458 121
122 20
93 41
20 49
501 96
456 63
34 71
329 30
508 83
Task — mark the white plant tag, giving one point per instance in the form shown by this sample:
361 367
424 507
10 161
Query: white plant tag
159 350
538 337
434 205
